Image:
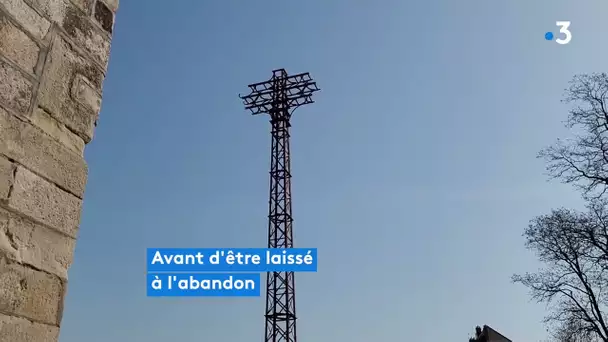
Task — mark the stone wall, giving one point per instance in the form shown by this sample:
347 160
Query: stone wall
53 59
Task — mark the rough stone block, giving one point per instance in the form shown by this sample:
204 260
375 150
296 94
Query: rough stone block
57 130
17 46
86 35
63 66
86 94
43 201
13 329
84 5
26 242
53 9
78 25
39 152
27 17
15 89
104 16
112 4
29 293
6 177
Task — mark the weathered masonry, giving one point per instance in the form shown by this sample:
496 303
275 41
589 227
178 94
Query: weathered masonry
53 60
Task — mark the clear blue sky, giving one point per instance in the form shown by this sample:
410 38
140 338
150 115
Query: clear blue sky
414 173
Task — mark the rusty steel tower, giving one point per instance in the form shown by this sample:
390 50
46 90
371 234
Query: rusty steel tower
279 97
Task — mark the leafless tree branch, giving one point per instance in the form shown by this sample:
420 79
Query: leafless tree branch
574 248
583 159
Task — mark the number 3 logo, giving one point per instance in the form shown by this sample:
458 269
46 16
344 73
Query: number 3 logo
564 29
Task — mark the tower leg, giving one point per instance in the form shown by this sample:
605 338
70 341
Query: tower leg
280 286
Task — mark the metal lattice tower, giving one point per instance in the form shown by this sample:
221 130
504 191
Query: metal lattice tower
279 97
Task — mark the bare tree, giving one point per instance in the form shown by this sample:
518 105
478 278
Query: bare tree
583 159
570 333
574 248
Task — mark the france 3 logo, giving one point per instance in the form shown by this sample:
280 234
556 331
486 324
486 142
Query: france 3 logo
564 30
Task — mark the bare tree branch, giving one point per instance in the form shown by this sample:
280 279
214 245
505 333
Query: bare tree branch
583 159
573 246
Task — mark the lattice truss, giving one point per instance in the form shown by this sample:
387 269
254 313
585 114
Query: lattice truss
279 97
